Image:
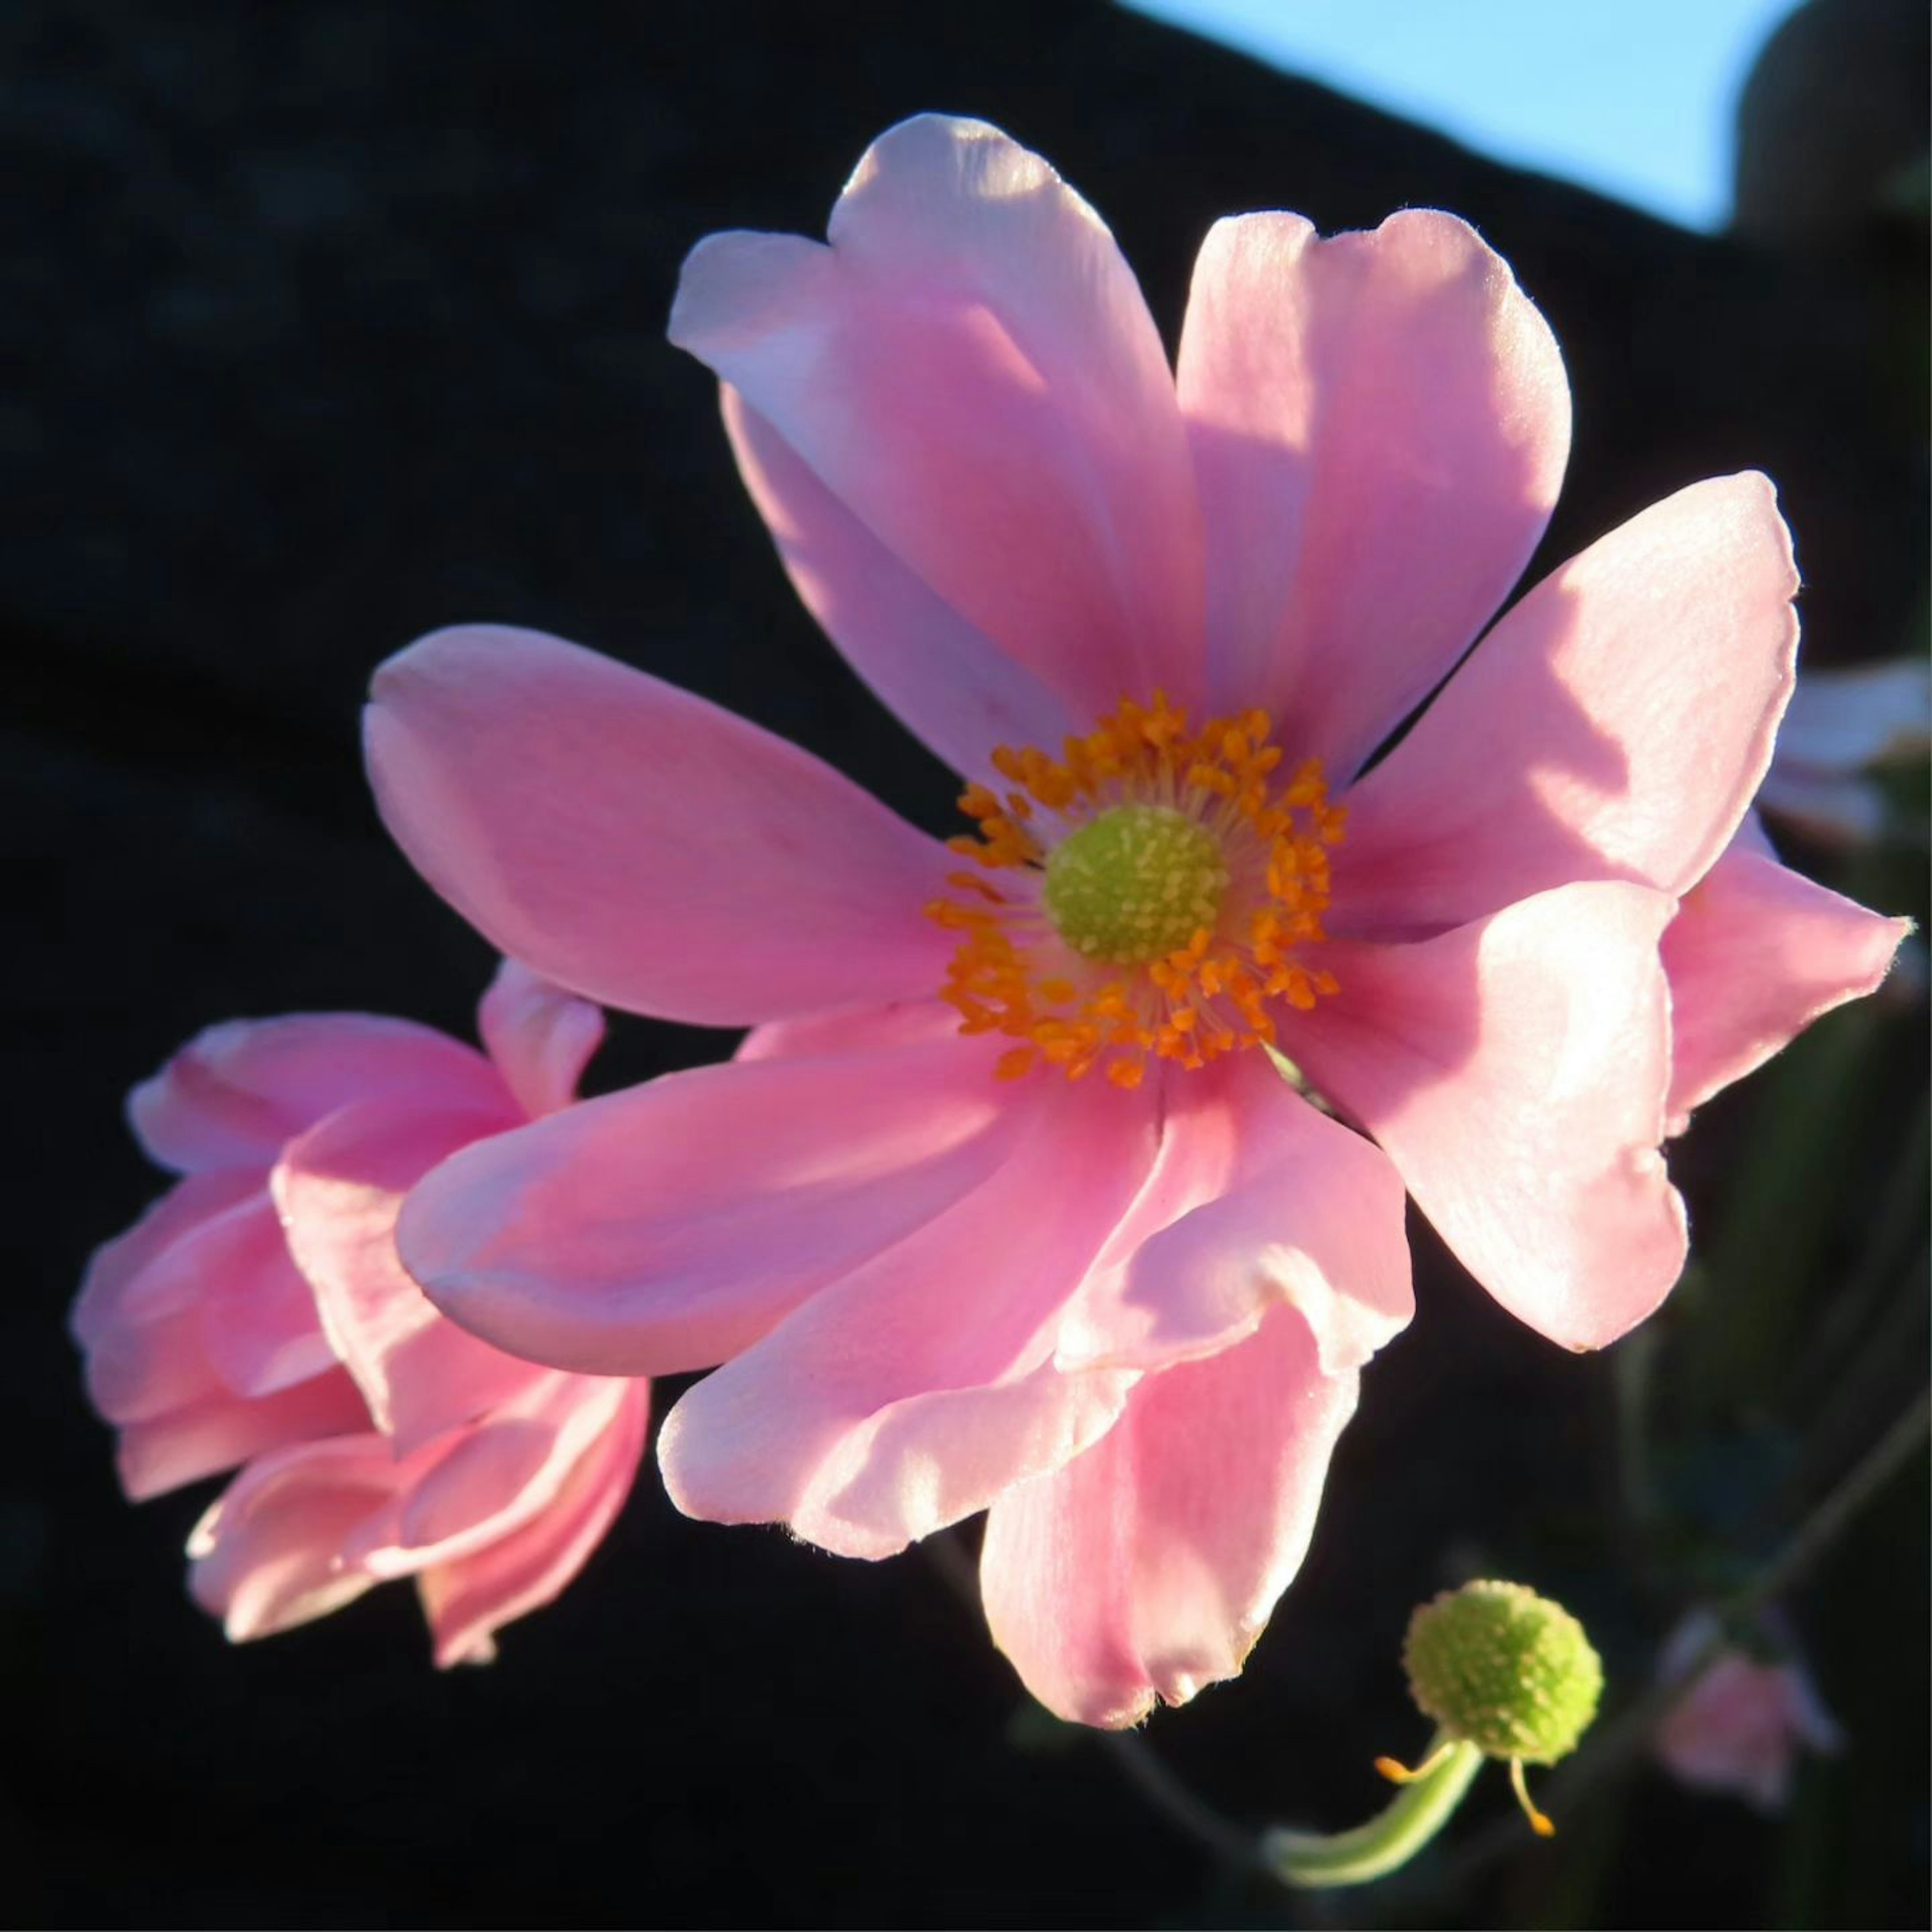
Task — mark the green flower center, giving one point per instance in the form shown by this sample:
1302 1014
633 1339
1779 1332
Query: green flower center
1136 882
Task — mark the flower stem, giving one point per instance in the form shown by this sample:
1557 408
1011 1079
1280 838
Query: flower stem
1314 1859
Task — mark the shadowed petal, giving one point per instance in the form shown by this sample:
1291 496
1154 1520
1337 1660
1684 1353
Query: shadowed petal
1146 1568
1613 726
969 372
1757 953
1515 1071
1380 423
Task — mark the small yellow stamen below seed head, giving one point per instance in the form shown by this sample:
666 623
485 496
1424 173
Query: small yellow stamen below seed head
1136 883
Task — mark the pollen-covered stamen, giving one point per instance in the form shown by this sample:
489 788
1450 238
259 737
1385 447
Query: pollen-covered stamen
1155 890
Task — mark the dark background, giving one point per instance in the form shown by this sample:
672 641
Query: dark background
337 321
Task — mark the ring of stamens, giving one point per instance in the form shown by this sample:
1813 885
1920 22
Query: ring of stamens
1152 892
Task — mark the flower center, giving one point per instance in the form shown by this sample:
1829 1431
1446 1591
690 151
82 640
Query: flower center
1137 881
1154 892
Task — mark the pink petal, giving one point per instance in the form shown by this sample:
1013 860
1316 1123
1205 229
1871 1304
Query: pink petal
667 1227
340 1188
467 1600
640 846
910 1392
541 1037
1380 424
136 1371
1613 726
1756 954
269 1554
1147 1568
221 1430
260 1328
969 370
938 676
237 1092
853 1029
1515 1070
116 1270
459 1496
1255 1199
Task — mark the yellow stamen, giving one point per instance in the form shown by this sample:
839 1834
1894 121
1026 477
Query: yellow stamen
1399 1773
1160 890
1539 1822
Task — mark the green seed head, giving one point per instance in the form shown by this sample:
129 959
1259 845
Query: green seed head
1505 1669
1139 881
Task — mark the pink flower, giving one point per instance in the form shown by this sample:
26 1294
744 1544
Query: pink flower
257 1315
1125 1309
1739 1726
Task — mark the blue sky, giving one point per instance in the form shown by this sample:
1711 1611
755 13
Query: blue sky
1632 98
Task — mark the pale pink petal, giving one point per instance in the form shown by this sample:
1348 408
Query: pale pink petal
267 1555
456 1498
1756 955
1380 424
259 1328
939 675
910 1392
1255 1199
1515 1071
667 1227
236 1093
969 371
467 1600
1146 1568
221 1430
541 1037
641 847
1613 726
117 1268
340 1188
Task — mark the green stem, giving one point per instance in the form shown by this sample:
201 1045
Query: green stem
1392 1837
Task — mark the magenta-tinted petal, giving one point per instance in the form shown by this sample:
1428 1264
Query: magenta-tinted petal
1613 726
969 371
268 1555
1255 1199
468 1599
1756 955
667 1227
221 1429
259 1328
541 1037
912 1391
457 1496
136 1371
1515 1071
236 1093
1146 1568
639 846
340 1188
1380 424
112 1290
